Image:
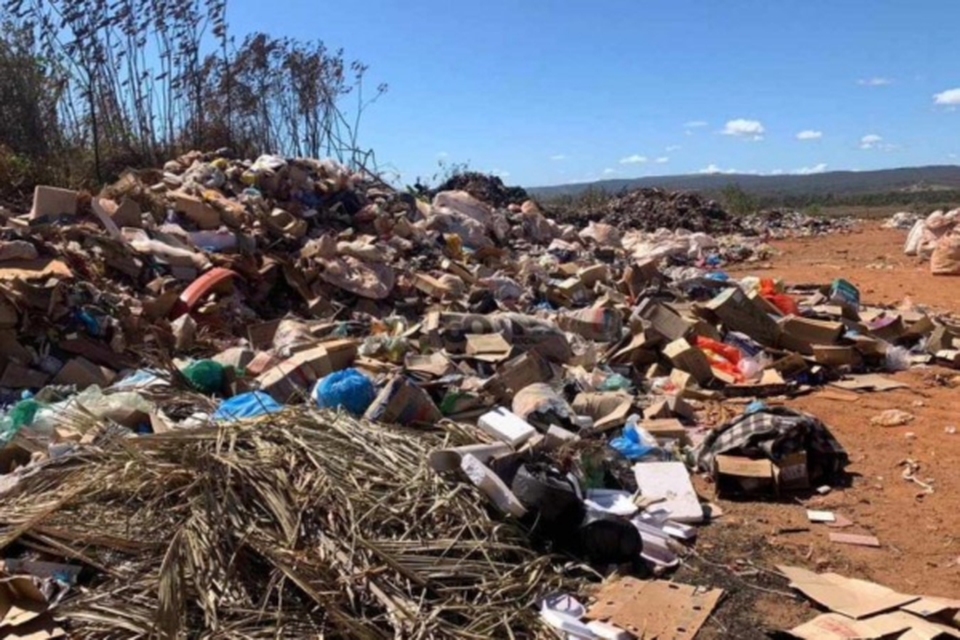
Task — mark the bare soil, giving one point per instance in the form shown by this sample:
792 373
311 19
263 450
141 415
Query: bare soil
919 532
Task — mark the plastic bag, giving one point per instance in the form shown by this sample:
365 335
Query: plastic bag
348 389
246 405
205 376
636 443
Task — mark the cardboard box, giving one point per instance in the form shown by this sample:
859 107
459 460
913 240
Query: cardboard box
300 371
489 347
51 201
667 429
637 277
738 474
593 274
839 356
800 334
196 210
16 376
690 359
664 322
739 313
81 372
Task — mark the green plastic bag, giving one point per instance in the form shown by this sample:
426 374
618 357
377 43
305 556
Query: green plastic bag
206 376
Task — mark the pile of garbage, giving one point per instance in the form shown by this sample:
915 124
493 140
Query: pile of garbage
787 223
278 397
901 220
484 187
651 209
937 238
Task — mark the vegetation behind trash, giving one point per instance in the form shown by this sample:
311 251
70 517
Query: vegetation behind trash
89 88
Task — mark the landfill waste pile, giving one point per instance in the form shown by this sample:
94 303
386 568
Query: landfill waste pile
901 220
484 187
651 209
780 223
936 238
279 398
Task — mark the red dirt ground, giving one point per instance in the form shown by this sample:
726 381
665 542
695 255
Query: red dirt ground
919 535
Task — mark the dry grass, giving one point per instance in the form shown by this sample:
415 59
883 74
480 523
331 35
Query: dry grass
307 524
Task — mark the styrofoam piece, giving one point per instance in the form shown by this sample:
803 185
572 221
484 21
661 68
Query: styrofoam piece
656 549
671 528
607 631
449 459
506 426
491 485
670 481
567 625
563 603
612 501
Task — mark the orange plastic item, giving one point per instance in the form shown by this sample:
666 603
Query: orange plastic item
786 304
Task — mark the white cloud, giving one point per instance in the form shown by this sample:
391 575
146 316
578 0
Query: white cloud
662 160
874 82
809 134
634 159
713 169
500 173
609 172
817 168
742 128
443 154
672 148
777 172
870 141
559 156
952 155
950 98
695 124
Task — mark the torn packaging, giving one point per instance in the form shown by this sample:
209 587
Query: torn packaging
402 402
848 596
739 313
654 609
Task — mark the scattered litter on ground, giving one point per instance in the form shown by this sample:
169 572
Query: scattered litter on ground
279 397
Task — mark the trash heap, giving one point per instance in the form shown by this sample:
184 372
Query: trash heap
784 223
937 238
278 397
653 208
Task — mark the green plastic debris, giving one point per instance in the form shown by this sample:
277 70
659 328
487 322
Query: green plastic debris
206 376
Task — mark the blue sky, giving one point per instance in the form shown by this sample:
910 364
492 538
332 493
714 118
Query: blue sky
555 91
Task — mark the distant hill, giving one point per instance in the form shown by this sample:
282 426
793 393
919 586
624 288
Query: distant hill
837 183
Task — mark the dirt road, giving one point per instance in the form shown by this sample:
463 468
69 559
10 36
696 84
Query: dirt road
919 532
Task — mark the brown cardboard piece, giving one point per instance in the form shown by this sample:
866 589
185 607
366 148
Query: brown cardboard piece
854 539
739 313
746 475
298 372
836 356
81 372
609 410
51 201
800 334
490 347
636 277
522 371
195 209
666 429
16 376
654 608
690 359
896 624
848 596
868 382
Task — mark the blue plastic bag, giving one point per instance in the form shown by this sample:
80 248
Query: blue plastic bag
348 388
632 446
246 405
